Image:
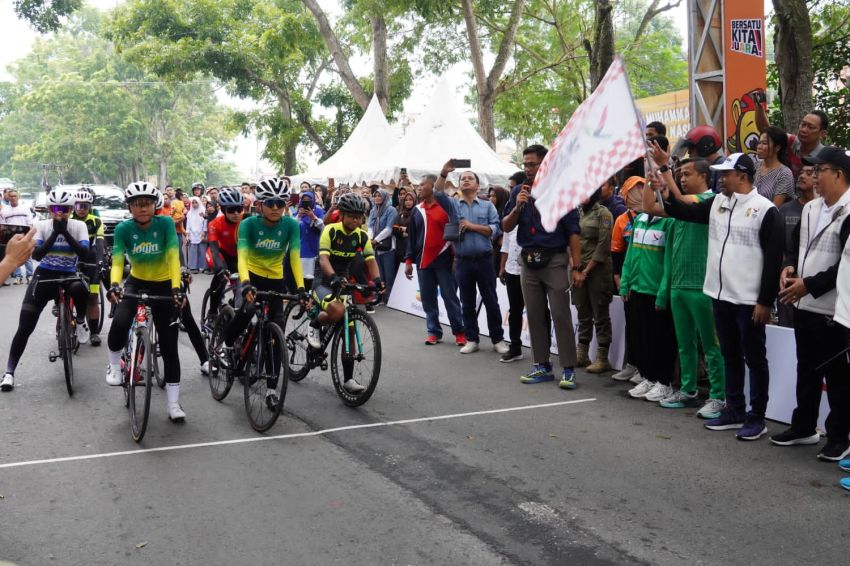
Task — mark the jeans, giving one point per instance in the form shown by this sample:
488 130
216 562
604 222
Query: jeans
19 272
472 273
743 341
198 256
430 280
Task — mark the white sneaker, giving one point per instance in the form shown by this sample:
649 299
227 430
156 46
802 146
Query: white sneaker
501 347
641 389
113 374
711 409
625 374
469 347
8 382
352 386
314 336
637 378
176 414
659 392
205 368
83 333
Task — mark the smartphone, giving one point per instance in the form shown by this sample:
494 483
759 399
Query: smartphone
404 170
461 163
9 230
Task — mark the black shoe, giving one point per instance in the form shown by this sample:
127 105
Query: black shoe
793 437
511 356
94 340
834 451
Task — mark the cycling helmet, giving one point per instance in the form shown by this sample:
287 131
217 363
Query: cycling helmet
351 203
199 186
160 200
61 196
272 188
230 197
141 189
704 139
85 194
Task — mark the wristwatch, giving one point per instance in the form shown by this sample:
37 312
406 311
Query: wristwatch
663 168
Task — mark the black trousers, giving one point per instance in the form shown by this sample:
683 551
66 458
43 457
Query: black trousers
818 339
244 314
516 304
652 345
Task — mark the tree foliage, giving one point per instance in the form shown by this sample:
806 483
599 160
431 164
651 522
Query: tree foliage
45 15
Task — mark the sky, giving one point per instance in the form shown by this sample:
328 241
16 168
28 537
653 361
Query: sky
19 37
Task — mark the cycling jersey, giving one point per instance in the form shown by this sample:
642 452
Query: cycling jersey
95 228
260 248
223 233
61 256
153 252
341 247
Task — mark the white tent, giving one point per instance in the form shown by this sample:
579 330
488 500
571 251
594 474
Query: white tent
364 151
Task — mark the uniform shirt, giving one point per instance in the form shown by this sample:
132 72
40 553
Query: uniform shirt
686 255
643 269
479 212
530 231
596 226
153 251
260 248
222 232
341 246
61 256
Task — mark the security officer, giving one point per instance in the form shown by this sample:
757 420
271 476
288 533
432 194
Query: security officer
592 296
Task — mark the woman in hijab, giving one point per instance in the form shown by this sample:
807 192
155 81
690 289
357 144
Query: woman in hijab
405 210
196 231
310 218
382 217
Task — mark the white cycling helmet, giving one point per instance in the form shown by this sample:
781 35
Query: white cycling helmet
272 188
140 189
85 194
160 200
61 196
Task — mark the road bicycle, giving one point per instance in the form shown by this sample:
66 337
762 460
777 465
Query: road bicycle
228 284
354 354
66 328
137 363
257 358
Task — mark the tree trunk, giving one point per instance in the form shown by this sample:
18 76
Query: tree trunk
601 51
162 178
381 67
793 45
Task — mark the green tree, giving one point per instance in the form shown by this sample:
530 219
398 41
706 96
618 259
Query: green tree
45 15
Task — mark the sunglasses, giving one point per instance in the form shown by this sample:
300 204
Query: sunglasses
232 209
82 205
274 203
59 209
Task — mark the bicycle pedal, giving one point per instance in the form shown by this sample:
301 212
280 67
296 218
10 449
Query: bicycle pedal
324 365
52 357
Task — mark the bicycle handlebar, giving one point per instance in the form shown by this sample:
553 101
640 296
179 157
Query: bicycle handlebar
145 297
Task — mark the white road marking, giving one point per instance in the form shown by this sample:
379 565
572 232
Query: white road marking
289 436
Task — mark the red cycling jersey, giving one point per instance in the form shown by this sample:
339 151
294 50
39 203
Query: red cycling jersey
224 233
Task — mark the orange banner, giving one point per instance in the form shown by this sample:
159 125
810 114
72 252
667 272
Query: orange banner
746 71
671 109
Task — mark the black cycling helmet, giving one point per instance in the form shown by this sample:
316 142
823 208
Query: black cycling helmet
198 186
351 203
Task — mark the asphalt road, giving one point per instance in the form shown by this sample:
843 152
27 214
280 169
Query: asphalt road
595 479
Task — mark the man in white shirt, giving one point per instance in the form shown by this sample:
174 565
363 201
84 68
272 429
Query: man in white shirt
18 215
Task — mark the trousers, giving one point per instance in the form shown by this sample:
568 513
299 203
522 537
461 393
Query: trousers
693 318
545 291
743 341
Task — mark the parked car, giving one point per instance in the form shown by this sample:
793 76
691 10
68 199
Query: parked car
108 202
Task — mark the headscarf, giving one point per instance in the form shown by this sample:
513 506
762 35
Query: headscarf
403 213
633 200
377 214
195 220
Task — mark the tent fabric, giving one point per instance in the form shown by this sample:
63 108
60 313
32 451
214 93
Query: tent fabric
374 151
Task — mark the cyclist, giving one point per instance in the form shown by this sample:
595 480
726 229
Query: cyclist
59 242
221 236
339 244
150 243
263 242
91 269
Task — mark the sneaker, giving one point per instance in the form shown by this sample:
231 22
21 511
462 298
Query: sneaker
460 339
113 374
370 309
642 388
729 419
511 356
469 348
844 465
538 374
712 409
83 333
834 451
19 280
8 382
226 356
176 414
568 379
680 400
658 392
625 374
314 336
352 386
205 368
432 340
501 347
845 483
753 429
94 340
637 378
792 437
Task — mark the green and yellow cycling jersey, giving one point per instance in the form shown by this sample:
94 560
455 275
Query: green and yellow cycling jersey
260 248
342 246
154 252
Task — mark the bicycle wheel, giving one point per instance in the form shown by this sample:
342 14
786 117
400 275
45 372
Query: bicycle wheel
101 299
221 376
140 382
158 373
66 346
361 363
265 383
295 333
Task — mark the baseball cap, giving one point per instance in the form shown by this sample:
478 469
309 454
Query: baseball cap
831 154
737 162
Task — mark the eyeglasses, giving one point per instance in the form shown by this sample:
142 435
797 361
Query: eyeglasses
59 209
82 205
274 203
232 209
530 164
818 170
